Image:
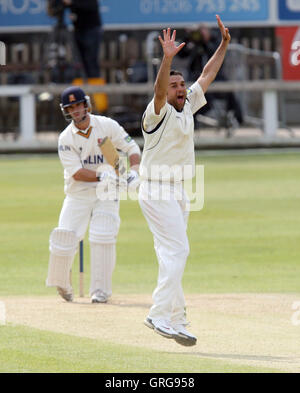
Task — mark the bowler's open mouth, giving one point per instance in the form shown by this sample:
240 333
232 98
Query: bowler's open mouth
180 98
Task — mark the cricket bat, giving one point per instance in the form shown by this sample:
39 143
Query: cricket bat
111 155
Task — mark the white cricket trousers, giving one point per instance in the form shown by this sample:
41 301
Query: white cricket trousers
165 207
103 220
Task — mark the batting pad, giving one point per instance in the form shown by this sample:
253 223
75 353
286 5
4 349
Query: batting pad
104 225
63 247
103 261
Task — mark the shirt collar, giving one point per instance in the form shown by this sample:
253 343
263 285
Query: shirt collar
75 130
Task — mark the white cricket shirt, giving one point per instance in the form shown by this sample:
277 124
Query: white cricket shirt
79 149
168 153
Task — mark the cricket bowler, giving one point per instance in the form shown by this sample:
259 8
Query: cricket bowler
168 160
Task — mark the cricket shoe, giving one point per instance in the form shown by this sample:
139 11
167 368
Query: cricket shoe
161 327
183 337
99 297
66 293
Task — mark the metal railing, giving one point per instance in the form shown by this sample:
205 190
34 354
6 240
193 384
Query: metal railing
240 62
269 89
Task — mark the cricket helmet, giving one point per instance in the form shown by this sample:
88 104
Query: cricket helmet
73 95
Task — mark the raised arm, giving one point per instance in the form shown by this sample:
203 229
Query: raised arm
211 69
162 81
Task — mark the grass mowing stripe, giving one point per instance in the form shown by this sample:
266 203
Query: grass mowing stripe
27 350
245 239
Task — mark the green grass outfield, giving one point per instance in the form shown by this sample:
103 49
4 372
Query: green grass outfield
245 240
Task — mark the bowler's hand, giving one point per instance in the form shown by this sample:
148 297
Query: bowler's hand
224 30
168 43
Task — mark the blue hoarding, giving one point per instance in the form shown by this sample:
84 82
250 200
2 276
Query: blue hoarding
138 12
32 14
289 10
23 13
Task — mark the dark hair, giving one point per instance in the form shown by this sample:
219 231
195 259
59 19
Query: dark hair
175 72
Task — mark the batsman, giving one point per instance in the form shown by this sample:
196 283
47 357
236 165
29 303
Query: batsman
85 157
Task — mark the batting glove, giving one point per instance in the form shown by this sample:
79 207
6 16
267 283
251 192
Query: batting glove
133 180
109 186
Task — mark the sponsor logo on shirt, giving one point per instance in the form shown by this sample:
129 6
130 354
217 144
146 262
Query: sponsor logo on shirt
95 159
64 148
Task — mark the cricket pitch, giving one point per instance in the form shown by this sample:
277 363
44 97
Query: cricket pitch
245 329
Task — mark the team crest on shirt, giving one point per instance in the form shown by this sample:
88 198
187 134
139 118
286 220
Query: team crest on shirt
189 90
128 138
